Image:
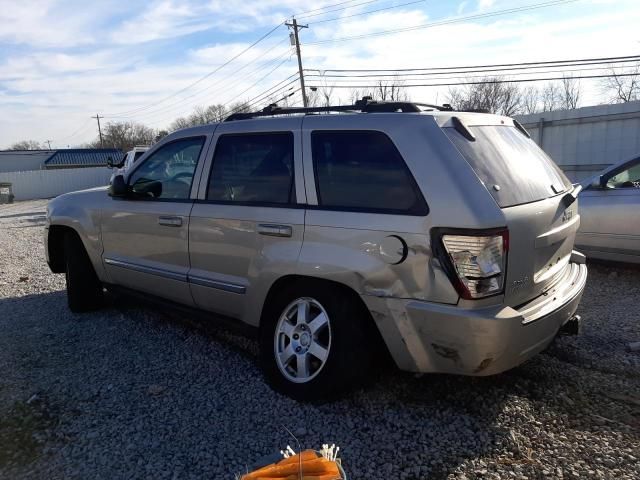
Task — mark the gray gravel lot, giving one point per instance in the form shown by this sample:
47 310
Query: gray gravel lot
131 392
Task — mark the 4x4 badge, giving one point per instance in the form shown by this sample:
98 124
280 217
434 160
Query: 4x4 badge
567 215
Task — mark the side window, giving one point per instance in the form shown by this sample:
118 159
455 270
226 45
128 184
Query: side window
363 170
253 168
629 178
168 172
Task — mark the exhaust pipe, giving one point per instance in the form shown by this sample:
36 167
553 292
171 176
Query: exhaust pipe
573 326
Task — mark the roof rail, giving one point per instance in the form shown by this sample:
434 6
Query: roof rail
365 105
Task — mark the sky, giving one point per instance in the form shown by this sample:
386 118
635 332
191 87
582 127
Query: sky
64 61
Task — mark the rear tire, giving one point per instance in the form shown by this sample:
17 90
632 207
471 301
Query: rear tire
321 355
84 289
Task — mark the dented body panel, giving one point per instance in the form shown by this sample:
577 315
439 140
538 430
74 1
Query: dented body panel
431 337
228 258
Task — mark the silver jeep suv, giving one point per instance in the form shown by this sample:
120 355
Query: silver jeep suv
444 237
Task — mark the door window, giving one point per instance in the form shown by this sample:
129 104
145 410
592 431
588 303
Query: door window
168 172
254 168
363 171
629 178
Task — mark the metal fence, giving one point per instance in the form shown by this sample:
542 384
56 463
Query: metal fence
585 140
51 183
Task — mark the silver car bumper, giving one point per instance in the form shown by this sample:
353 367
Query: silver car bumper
429 337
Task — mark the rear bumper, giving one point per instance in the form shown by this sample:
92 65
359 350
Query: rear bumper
429 337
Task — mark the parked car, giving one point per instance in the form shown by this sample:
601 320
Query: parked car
610 214
446 237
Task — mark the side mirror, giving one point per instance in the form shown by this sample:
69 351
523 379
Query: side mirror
118 187
598 182
110 163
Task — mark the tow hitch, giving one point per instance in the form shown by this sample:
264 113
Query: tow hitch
572 327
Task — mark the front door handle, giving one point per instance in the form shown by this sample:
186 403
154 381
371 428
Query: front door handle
275 230
170 221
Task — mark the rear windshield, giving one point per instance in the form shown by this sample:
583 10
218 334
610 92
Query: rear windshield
512 167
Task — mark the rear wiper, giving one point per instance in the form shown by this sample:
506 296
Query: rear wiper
572 196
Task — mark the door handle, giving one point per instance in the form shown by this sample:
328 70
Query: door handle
170 221
274 230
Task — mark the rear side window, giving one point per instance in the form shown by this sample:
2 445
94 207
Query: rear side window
363 171
253 168
512 167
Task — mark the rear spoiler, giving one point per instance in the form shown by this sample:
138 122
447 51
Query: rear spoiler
572 196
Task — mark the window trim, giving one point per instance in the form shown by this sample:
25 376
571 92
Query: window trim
151 154
291 203
420 209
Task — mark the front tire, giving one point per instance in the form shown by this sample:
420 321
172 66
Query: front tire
84 289
314 342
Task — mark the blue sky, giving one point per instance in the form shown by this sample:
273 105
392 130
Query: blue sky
62 61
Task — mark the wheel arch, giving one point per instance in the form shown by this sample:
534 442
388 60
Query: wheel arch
55 246
283 282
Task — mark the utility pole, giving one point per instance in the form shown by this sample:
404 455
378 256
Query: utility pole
98 117
48 142
296 39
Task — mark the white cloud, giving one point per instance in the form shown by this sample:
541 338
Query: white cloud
485 4
164 19
48 90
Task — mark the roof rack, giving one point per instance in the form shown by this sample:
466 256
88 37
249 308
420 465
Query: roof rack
365 105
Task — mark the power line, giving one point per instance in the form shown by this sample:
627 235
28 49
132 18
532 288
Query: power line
258 81
269 93
459 67
302 14
226 104
368 12
336 9
447 22
208 74
180 102
402 79
506 80
75 132
567 68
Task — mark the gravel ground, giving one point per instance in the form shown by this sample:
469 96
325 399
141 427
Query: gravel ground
135 393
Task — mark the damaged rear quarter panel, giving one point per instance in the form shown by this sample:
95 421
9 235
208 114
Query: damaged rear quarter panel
357 258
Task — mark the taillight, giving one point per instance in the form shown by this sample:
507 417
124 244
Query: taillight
477 261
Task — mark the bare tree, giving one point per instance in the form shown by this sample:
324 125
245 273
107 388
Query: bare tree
125 136
551 97
201 116
357 94
240 107
491 93
530 99
319 96
622 89
570 92
326 93
279 100
383 91
160 135
390 91
26 145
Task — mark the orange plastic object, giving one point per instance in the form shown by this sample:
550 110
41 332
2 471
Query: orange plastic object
312 466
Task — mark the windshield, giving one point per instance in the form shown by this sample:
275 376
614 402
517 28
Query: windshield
512 167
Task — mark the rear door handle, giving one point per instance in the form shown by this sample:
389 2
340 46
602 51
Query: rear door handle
275 230
170 221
